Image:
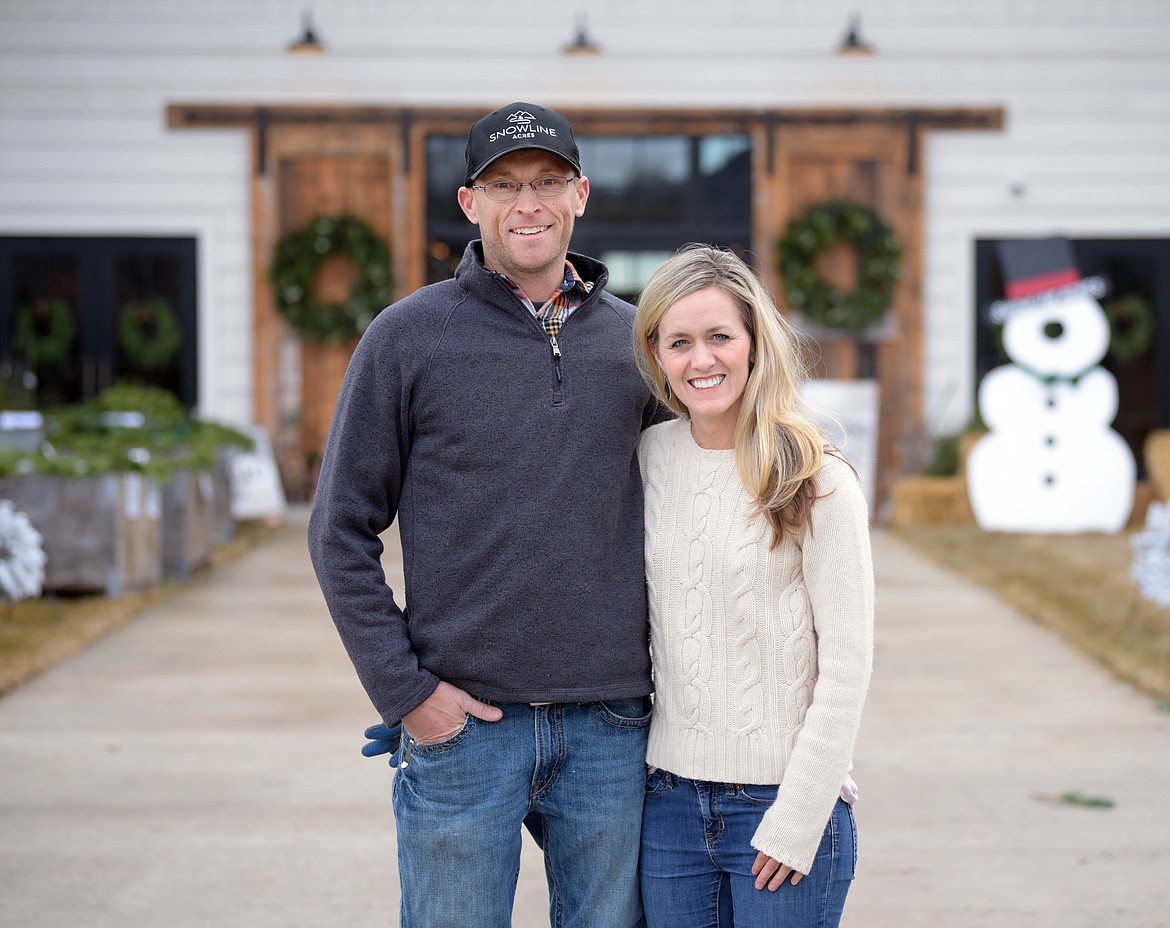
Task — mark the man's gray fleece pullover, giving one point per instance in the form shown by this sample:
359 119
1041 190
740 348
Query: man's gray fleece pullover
514 477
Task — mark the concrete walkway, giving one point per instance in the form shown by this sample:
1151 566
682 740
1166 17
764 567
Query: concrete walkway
201 767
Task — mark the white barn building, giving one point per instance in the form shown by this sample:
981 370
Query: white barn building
163 148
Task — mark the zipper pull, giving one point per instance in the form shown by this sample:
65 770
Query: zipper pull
556 350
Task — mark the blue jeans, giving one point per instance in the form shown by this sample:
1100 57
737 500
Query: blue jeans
574 775
697 860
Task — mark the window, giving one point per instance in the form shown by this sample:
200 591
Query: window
648 196
95 280
1129 266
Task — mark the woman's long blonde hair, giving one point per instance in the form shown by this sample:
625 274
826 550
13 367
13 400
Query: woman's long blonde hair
778 448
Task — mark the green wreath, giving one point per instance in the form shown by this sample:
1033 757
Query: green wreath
839 222
43 332
149 333
298 257
1131 327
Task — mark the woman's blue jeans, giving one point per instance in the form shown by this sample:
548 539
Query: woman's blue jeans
574 775
697 860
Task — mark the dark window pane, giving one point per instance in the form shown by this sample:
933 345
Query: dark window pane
445 165
647 196
44 285
723 189
145 289
635 177
448 230
97 278
629 270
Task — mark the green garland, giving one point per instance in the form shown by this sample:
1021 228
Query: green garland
1131 327
43 332
839 222
149 333
298 257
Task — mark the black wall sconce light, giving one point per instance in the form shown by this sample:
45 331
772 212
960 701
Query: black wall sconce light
307 43
852 43
582 43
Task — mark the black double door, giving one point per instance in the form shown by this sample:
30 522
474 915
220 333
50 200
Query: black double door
111 288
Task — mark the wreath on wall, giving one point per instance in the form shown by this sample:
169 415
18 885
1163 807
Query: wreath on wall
149 333
1131 327
299 255
43 332
826 225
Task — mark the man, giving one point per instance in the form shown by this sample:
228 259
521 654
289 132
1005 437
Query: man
497 415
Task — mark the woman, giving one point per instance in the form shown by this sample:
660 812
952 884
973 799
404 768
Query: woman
760 585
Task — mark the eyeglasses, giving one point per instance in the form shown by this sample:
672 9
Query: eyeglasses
547 187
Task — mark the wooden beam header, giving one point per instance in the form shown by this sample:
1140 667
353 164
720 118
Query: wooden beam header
261 118
212 115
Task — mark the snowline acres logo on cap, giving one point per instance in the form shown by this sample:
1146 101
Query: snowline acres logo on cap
515 127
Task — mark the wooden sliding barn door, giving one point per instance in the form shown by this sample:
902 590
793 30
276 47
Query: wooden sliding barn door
876 166
330 186
313 171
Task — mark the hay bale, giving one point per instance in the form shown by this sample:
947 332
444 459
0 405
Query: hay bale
1143 495
1157 454
922 500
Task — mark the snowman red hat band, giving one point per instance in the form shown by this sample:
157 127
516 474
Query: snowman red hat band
1031 267
1036 271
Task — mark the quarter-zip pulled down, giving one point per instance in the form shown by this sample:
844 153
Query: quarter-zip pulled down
559 380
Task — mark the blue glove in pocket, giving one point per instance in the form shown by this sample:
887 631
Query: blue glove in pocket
384 739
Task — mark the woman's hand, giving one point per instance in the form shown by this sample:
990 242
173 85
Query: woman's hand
772 873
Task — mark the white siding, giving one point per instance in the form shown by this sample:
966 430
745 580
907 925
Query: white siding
1085 85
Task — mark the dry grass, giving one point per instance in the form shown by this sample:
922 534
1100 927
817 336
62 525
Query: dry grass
1078 585
36 634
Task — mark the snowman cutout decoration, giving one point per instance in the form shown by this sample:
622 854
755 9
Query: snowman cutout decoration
1050 463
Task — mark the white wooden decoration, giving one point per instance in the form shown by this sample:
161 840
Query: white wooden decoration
847 410
1050 461
257 492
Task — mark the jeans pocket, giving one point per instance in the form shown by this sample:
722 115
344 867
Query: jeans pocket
838 849
437 747
853 834
625 713
659 780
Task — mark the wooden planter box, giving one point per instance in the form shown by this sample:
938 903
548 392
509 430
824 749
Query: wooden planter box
188 523
101 534
221 484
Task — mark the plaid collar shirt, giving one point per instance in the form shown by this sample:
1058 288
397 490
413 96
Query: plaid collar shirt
569 296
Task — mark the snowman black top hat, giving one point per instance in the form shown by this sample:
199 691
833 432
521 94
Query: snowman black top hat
1038 270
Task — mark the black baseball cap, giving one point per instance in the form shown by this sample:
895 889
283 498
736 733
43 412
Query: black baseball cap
515 127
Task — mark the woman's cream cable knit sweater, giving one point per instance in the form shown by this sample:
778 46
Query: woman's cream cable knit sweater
761 658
